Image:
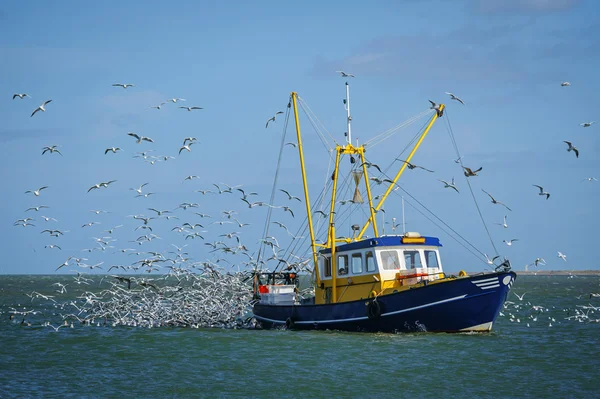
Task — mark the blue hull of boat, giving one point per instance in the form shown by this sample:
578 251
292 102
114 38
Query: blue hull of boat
464 304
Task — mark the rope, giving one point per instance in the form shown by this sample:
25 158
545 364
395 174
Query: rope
390 132
273 190
451 134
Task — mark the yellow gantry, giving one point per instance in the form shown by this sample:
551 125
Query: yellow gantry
306 199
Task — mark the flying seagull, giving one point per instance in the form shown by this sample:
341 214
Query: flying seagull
587 124
345 75
191 108
503 224
43 109
123 85
590 179
159 106
186 147
449 185
437 109
494 200
469 172
572 148
490 261
21 95
112 149
542 192
563 84
177 99
413 166
509 242
562 256
273 118
51 149
453 97
140 138
36 192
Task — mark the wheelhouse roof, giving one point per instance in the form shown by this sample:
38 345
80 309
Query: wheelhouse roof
385 241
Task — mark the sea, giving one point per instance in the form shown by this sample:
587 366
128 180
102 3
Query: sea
545 345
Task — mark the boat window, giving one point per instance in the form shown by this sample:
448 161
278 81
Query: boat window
342 264
357 266
370 261
389 260
431 259
327 266
412 259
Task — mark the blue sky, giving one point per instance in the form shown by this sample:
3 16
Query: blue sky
239 61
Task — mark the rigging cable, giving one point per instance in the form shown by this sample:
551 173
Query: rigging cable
270 211
451 134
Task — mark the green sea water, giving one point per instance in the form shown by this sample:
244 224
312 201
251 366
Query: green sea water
535 354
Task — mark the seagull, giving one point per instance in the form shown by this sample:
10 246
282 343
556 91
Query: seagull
52 246
21 95
159 106
113 149
273 118
562 256
563 84
292 144
345 75
140 138
413 166
572 148
43 109
190 177
36 192
542 192
519 296
124 85
36 208
290 196
469 172
437 108
539 260
587 124
453 97
457 160
186 147
139 190
190 139
590 179
371 165
51 149
449 185
191 108
177 99
503 224
509 242
490 261
494 200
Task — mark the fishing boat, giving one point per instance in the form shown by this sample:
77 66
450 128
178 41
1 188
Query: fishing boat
382 282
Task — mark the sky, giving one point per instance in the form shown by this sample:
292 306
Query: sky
240 61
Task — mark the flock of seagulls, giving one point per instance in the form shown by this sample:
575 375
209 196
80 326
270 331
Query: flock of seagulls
215 291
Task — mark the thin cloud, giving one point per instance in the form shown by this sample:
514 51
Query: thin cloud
521 6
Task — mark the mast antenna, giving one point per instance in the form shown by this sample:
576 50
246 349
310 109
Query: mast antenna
349 120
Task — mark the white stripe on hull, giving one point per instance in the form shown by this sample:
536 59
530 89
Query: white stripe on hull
365 317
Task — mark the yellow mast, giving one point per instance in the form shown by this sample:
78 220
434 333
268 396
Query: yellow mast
393 184
306 199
